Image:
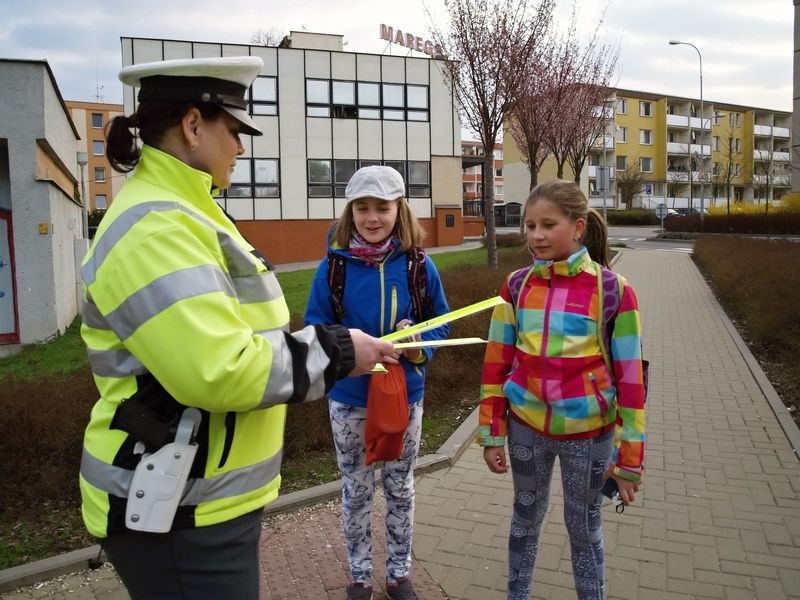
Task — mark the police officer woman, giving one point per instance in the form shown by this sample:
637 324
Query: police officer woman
187 334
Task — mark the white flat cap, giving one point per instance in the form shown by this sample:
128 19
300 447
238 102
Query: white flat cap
382 183
222 81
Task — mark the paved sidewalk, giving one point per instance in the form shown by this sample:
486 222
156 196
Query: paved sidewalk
718 515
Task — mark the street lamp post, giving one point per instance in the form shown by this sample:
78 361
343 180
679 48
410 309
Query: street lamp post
702 133
83 160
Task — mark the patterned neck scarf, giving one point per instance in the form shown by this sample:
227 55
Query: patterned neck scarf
372 253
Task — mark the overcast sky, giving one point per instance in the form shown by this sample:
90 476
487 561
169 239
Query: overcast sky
746 45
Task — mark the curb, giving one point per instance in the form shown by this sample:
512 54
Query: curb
79 560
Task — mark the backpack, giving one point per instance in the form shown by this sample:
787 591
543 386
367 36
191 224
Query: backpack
417 284
610 297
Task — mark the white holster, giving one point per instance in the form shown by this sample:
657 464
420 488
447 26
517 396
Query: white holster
160 479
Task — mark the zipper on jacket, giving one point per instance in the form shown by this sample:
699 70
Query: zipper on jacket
393 319
383 297
600 398
230 429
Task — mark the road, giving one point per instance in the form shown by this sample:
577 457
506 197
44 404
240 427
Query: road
646 238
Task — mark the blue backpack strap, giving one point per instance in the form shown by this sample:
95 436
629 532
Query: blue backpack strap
336 276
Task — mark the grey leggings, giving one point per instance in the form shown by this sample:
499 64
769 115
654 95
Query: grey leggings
582 462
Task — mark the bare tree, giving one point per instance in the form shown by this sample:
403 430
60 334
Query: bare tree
630 184
580 79
534 115
676 184
488 46
266 37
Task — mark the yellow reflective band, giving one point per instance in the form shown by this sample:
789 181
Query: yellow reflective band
443 319
435 343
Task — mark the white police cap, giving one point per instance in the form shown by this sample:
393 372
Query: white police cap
222 81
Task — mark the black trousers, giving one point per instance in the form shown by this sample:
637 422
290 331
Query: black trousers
204 563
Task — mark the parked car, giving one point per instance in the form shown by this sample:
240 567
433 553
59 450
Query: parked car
695 210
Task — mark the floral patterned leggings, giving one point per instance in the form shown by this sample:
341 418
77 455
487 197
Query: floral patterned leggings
583 462
358 491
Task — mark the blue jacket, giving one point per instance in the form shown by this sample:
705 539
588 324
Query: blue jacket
375 298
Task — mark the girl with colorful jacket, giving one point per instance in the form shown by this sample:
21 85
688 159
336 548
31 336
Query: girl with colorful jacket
546 390
373 237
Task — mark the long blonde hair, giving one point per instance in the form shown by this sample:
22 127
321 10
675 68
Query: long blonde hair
573 204
406 229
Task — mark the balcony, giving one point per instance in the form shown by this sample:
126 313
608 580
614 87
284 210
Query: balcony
593 171
604 142
767 131
681 149
765 155
777 180
677 121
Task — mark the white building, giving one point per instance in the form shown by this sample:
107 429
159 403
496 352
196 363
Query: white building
325 113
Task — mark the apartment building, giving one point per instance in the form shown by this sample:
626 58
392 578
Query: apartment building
472 154
728 153
325 113
100 180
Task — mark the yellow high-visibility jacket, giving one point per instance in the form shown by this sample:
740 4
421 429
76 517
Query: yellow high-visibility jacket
174 293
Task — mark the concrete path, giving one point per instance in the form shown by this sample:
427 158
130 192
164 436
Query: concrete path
718 515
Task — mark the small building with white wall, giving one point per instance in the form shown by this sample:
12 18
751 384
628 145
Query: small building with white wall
40 214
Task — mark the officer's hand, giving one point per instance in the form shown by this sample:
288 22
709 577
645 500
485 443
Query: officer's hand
370 351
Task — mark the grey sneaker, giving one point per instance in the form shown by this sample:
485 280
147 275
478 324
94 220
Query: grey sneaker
359 591
402 590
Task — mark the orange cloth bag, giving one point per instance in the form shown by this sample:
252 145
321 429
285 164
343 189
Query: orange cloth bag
387 414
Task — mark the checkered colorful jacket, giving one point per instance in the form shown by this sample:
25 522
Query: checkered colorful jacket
543 364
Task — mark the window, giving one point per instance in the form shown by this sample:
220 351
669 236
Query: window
622 163
419 179
645 108
737 145
622 106
318 98
97 120
498 153
320 178
645 136
264 96
731 119
498 172
417 102
255 178
498 190
737 170
98 148
715 169
101 201
622 134
645 164
99 174
716 143
738 119
343 170
366 100
369 100
344 100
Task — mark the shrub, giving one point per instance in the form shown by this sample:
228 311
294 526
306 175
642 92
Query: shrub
636 216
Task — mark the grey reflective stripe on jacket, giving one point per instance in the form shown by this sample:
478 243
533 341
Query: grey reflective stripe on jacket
117 481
